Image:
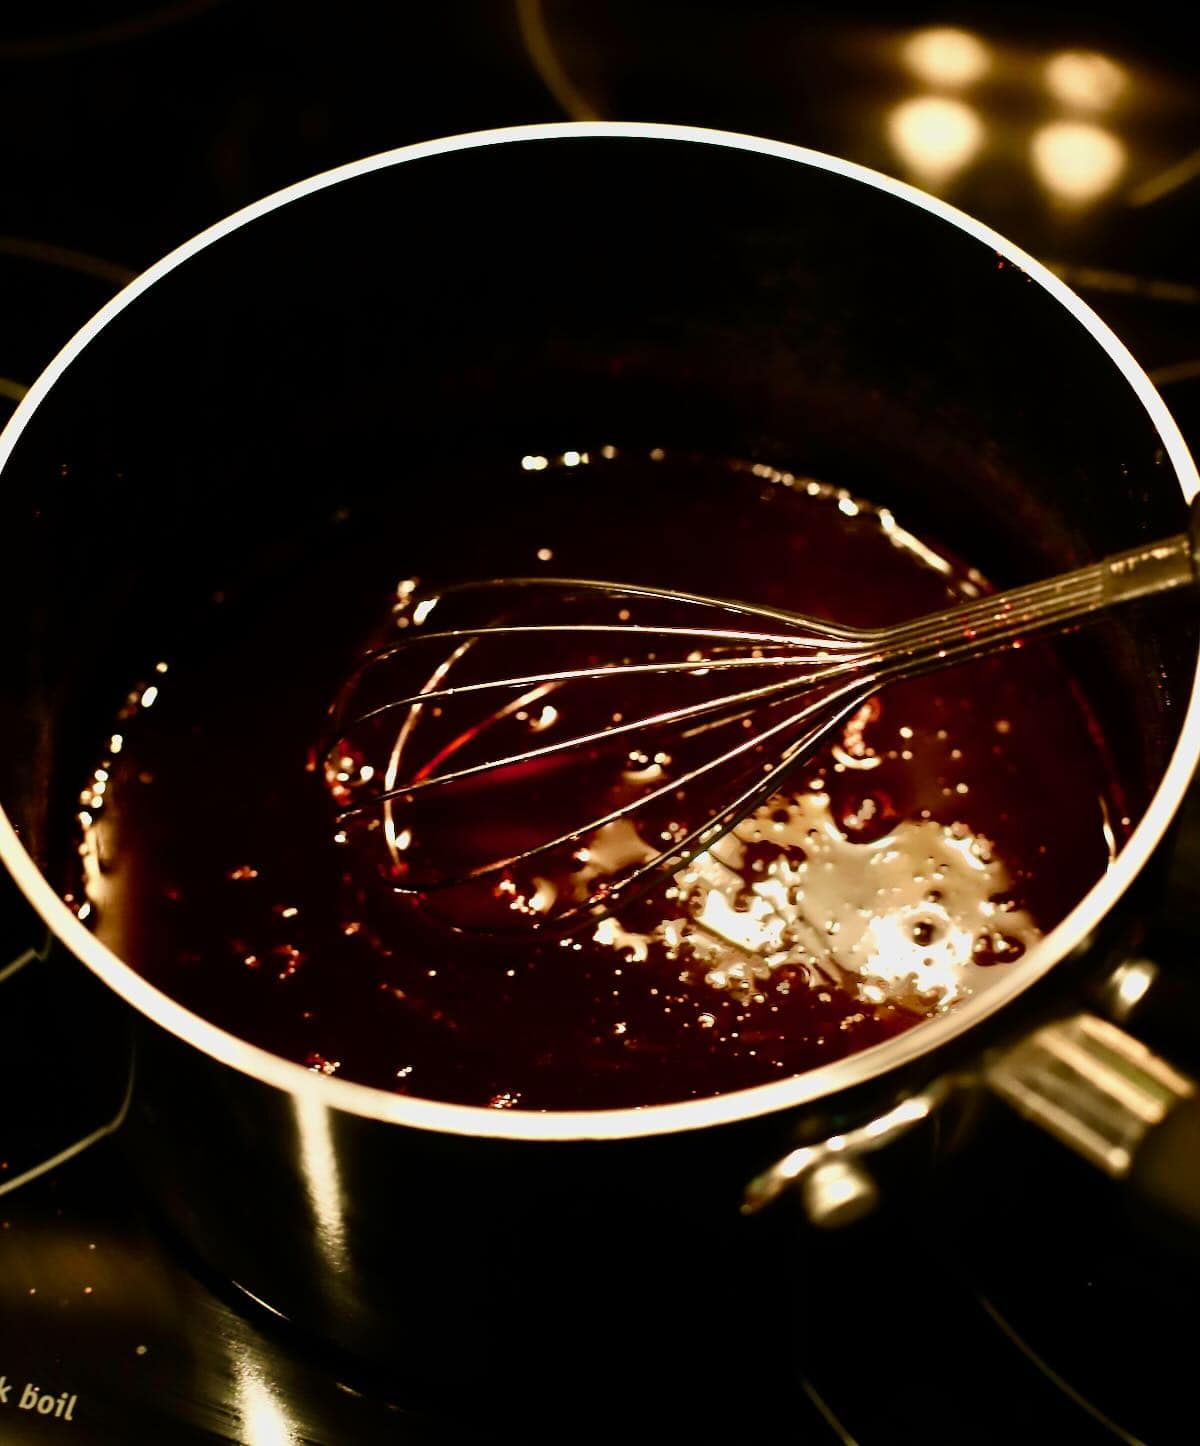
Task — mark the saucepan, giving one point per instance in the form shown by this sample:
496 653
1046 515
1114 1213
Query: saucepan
341 359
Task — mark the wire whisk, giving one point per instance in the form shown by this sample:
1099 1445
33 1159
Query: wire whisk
543 749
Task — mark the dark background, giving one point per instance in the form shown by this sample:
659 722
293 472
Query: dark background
127 126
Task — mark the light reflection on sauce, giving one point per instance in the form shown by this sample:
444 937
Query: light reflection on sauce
950 821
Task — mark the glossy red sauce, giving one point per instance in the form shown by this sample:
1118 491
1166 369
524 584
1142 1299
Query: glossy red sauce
930 838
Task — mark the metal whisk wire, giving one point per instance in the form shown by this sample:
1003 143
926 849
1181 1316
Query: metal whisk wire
830 670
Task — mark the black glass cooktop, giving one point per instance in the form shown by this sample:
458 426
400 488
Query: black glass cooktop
1018 1299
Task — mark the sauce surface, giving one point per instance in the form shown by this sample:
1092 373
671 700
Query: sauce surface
933 836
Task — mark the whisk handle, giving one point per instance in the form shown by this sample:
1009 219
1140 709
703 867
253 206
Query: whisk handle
1153 568
1156 566
1005 619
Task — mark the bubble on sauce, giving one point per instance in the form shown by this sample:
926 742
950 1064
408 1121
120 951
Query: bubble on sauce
907 919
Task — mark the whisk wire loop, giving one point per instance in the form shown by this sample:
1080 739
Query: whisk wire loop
829 670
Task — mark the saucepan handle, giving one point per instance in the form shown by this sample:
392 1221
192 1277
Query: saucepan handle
1094 1087
1111 1099
66 1048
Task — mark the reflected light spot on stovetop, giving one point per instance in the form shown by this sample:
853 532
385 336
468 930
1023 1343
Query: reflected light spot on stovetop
947 57
1076 161
1085 79
264 1422
935 136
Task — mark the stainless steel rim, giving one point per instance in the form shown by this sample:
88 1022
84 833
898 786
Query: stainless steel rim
368 1102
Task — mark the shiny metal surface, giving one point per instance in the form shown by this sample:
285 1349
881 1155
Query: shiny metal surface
834 1183
1126 987
838 1193
424 1255
1091 1086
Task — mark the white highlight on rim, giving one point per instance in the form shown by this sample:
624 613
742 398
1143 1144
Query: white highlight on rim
801 1089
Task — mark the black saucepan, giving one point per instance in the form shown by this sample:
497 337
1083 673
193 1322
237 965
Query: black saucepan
346 356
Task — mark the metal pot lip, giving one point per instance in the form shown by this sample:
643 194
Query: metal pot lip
616 1124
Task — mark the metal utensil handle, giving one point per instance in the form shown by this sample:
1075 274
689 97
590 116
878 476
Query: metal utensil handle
1095 1088
1111 1099
1003 619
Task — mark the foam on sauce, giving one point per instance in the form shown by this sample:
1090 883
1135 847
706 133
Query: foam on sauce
897 920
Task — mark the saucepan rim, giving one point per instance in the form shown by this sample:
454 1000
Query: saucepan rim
610 1124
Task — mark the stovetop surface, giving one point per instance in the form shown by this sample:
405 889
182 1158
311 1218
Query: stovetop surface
1018 1295
1017 1300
